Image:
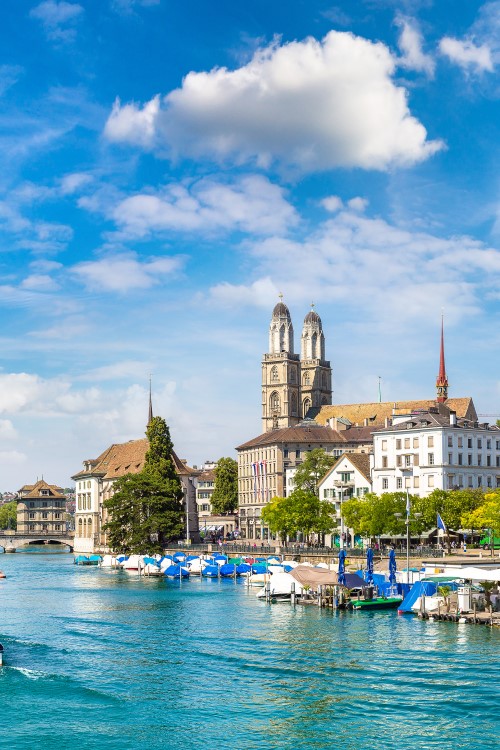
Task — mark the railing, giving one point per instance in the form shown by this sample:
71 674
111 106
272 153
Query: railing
293 550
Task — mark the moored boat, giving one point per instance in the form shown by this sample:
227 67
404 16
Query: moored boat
378 602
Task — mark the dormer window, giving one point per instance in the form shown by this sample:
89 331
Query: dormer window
44 492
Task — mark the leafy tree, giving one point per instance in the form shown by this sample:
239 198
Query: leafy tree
8 515
375 515
225 494
143 514
486 515
278 517
312 469
145 510
300 511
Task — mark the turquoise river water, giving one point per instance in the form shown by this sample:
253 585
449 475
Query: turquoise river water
99 659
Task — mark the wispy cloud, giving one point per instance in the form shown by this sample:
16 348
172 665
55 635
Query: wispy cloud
126 271
58 19
466 54
411 45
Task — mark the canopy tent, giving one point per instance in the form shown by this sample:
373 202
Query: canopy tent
314 577
478 574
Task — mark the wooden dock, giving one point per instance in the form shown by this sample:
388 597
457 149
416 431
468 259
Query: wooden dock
470 618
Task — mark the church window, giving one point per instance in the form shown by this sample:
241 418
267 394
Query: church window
306 405
274 374
314 346
305 379
275 402
282 338
293 375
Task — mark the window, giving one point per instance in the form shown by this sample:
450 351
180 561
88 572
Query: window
488 445
408 460
399 483
479 443
416 481
399 460
430 459
274 374
460 459
430 441
407 482
450 441
469 459
469 482
32 515
44 505
275 402
345 476
57 515
460 442
415 442
497 443
488 481
44 515
450 458
285 453
384 445
398 444
305 379
384 462
479 481
297 454
479 460
469 442
293 404
385 483
407 443
430 480
293 375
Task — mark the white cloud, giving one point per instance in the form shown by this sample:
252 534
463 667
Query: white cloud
332 203
358 204
250 204
126 271
58 19
376 270
132 124
316 105
71 183
7 430
466 54
9 75
117 371
40 283
410 43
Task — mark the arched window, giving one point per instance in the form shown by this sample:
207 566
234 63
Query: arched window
282 338
293 404
305 379
80 525
274 402
306 406
89 527
314 346
274 374
84 527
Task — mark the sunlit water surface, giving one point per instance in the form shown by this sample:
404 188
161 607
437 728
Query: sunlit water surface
103 659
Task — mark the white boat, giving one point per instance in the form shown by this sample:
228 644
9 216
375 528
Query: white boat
258 579
150 569
134 562
280 587
109 561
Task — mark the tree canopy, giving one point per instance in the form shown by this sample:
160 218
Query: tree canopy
486 515
8 515
299 512
145 509
312 469
225 494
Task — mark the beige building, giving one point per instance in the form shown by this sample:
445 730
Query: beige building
292 385
95 484
264 461
41 510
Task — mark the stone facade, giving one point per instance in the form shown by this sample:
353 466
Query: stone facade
41 510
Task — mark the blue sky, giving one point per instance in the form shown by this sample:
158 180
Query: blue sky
168 168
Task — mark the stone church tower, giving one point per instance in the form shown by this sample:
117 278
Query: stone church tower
291 386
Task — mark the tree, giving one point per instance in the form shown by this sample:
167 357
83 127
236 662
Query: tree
300 511
225 494
143 514
374 515
277 516
486 515
8 515
312 469
145 510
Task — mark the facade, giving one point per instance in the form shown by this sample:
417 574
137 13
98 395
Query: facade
263 464
95 484
349 477
292 385
434 449
212 525
41 510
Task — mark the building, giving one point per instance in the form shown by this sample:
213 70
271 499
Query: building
212 525
41 510
95 484
350 476
263 464
434 449
292 385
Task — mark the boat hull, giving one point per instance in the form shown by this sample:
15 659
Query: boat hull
391 602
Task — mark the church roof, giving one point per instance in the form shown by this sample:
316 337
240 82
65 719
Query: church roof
376 412
313 433
127 458
281 311
36 491
312 317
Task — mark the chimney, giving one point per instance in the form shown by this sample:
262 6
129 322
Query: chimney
365 422
453 418
387 422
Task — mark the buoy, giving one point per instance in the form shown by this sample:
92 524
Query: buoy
2 574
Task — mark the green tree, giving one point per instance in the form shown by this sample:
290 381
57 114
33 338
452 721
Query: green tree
375 515
300 511
486 515
225 494
312 469
278 517
143 514
8 515
146 510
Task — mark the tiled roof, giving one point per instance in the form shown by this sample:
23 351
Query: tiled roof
127 458
36 491
360 461
207 476
429 420
29 487
376 412
313 433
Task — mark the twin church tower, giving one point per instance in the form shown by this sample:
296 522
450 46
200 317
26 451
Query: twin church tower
292 385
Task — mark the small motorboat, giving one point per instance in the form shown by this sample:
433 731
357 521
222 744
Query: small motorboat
378 602
2 574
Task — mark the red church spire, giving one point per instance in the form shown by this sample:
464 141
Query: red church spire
442 380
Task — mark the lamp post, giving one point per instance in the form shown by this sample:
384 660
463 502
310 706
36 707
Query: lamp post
407 522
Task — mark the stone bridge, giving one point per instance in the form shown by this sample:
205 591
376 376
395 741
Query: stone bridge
10 541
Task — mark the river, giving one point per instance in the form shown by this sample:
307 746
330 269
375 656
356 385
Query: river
98 659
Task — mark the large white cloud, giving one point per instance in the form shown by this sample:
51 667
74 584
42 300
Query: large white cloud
123 272
316 105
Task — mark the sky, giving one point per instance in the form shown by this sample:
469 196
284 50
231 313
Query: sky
169 168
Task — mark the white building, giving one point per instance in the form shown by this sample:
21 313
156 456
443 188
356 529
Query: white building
348 477
433 449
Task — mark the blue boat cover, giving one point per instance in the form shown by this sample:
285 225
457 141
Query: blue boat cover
369 566
210 571
427 588
243 568
176 571
259 568
227 569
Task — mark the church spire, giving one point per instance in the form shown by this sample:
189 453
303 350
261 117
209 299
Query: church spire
150 414
442 380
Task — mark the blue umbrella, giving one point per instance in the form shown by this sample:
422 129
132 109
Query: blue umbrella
369 566
392 569
342 567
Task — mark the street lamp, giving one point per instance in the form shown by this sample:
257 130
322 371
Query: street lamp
407 522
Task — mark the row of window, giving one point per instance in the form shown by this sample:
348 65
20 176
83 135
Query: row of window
43 527
44 515
45 504
458 440
84 501
429 481
81 485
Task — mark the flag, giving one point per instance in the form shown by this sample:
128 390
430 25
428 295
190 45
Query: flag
440 523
